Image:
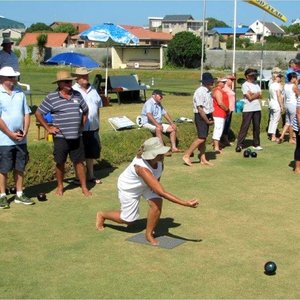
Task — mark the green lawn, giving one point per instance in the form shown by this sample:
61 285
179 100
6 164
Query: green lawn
249 214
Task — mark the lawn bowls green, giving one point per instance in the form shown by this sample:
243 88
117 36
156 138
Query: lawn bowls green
270 268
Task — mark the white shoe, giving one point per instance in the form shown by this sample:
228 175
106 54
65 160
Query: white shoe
257 148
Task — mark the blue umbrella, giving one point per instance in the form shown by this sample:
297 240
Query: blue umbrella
73 59
109 35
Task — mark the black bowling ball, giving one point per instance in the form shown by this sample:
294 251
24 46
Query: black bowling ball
253 154
246 153
270 268
13 190
42 197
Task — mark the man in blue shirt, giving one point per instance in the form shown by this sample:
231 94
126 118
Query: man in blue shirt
14 125
152 114
294 66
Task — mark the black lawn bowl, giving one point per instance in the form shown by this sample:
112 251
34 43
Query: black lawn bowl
253 154
246 153
13 190
7 192
270 268
41 197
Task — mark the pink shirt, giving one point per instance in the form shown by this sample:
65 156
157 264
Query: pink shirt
231 97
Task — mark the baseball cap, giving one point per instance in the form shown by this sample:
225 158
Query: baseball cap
158 92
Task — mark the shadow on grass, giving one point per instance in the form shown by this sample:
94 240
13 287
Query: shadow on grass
162 229
292 164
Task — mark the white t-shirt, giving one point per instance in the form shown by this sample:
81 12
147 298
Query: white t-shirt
289 94
253 105
131 184
202 97
274 88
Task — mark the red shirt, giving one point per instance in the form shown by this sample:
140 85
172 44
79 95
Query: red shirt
218 111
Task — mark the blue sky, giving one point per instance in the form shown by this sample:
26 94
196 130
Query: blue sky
137 12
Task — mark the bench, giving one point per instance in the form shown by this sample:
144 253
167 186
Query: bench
39 126
143 64
126 87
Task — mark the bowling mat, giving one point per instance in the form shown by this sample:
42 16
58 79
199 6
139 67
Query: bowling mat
165 242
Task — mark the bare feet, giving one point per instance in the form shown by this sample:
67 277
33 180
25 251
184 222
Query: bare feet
152 240
59 191
99 221
204 162
292 141
86 192
297 171
280 140
176 150
187 160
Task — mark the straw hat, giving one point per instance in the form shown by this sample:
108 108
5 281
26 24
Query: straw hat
8 72
63 75
81 72
153 147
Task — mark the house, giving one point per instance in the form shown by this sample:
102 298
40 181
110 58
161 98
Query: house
155 23
261 29
148 37
177 23
54 39
241 32
297 21
79 26
11 28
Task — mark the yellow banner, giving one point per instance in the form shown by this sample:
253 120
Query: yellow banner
268 8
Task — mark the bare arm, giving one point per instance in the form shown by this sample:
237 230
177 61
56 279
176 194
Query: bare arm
203 115
12 135
296 90
169 119
157 188
219 98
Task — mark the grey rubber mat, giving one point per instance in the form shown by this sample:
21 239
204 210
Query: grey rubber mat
164 241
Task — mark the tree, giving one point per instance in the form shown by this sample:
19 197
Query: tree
41 43
39 27
67 27
215 23
184 50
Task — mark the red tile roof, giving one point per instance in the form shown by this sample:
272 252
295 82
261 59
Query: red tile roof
54 39
145 34
79 26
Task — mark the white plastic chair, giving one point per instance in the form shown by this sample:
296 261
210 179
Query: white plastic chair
27 91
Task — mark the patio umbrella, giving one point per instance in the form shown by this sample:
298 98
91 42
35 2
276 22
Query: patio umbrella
108 35
73 59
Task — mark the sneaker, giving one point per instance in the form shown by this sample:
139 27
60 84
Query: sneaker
23 199
257 148
4 203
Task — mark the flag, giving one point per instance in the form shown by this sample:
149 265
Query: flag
268 8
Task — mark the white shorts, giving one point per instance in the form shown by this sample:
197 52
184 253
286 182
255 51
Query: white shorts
130 204
218 128
152 128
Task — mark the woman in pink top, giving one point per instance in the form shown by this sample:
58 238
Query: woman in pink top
231 98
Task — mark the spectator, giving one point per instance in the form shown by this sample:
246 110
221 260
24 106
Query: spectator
152 114
14 125
7 57
203 108
275 102
221 109
141 178
251 111
69 112
294 66
228 88
90 134
291 93
295 125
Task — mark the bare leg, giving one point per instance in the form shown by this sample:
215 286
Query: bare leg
188 153
60 171
79 166
155 206
3 182
19 176
202 157
284 130
173 141
297 167
291 132
216 145
159 134
90 168
113 215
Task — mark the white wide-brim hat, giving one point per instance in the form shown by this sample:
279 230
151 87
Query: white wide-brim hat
8 72
153 147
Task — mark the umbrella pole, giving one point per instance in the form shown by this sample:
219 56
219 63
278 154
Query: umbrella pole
106 72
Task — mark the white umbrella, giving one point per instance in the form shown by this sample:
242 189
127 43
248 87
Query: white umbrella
109 35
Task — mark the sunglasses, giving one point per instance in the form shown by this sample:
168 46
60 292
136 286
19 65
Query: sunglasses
66 81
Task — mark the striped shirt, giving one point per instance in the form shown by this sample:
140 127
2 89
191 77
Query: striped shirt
295 124
66 114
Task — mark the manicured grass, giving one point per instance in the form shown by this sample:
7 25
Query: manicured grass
249 214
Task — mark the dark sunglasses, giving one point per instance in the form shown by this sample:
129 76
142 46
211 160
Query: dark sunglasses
66 81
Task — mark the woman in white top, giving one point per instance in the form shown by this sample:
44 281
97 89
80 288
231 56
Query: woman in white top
141 178
275 104
291 92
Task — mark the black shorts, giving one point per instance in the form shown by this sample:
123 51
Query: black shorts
92 145
13 158
202 126
63 148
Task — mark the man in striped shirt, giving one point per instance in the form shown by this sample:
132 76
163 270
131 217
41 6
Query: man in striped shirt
69 113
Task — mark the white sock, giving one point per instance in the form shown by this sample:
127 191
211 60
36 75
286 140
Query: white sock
19 193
